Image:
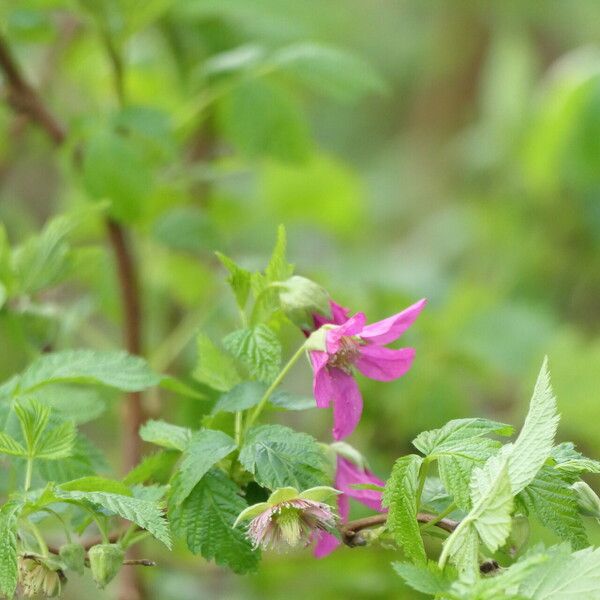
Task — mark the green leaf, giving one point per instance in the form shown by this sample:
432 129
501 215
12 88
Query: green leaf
115 169
489 518
44 260
79 403
206 448
112 369
278 457
335 73
155 467
571 462
238 280
206 518
145 514
427 579
214 367
400 496
452 437
242 396
532 447
455 473
289 401
8 445
262 119
57 441
258 348
565 576
33 418
165 434
278 268
96 484
555 504
9 574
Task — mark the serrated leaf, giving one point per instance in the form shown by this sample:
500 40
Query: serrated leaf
238 280
43 260
571 462
400 497
336 73
57 441
9 574
206 448
206 518
155 467
8 445
262 119
112 369
555 504
456 472
565 576
96 484
427 579
452 437
278 268
242 396
165 434
145 514
79 403
278 457
288 401
258 348
532 447
214 367
33 418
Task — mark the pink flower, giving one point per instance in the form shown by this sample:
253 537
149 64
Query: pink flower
350 344
339 315
348 474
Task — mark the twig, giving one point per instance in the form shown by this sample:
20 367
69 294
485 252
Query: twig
24 99
350 530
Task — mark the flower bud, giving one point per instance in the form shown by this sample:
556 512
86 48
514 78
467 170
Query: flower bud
52 585
73 555
301 298
105 563
350 453
587 499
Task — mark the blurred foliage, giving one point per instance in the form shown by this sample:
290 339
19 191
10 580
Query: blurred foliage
441 149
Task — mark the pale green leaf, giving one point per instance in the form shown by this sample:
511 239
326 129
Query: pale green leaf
155 467
400 497
165 434
109 368
145 514
427 579
8 445
214 367
57 441
9 574
96 484
242 396
33 418
239 280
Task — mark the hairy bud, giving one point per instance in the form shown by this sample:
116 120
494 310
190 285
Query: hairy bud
587 499
73 555
301 298
105 563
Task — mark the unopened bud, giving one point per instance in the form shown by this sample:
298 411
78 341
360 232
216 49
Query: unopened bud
350 453
73 555
587 499
301 298
105 562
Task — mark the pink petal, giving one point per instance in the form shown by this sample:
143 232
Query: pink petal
347 403
349 474
339 315
353 326
390 329
322 385
384 364
326 544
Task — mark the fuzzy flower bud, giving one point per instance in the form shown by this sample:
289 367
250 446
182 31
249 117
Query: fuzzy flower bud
40 576
73 555
289 519
301 298
587 499
105 562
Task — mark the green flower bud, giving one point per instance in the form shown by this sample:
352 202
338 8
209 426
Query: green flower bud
587 499
350 453
73 555
301 298
105 563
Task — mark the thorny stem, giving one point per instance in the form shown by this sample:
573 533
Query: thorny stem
263 401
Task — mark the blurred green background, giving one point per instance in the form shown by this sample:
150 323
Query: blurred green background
446 149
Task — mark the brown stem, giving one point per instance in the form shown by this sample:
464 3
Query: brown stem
350 530
24 99
130 299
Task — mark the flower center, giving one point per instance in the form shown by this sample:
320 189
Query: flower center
347 354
